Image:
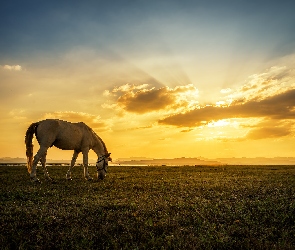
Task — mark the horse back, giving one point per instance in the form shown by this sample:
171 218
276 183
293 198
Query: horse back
62 134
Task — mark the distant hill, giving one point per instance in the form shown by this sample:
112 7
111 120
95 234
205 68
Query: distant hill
12 160
258 161
175 161
204 161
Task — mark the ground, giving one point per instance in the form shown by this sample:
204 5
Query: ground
150 207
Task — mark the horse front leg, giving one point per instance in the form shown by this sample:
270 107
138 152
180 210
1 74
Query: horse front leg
73 161
85 163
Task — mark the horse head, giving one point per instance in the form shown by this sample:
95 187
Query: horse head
102 165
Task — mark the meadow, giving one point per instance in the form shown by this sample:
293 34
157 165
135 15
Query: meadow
150 207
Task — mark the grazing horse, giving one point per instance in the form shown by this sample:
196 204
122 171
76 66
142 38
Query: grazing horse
66 136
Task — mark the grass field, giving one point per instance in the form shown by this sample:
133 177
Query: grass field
201 207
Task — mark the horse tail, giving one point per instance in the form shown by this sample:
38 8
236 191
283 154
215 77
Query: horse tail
29 144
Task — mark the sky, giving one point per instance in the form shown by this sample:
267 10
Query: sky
156 79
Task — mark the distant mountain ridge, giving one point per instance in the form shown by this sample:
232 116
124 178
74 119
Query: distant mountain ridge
175 161
204 161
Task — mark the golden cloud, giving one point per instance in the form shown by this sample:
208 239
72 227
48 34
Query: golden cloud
274 81
269 96
270 129
279 106
141 99
12 67
146 100
263 133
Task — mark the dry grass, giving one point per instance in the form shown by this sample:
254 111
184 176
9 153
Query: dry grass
231 207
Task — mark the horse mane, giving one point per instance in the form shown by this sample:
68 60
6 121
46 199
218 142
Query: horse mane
98 138
102 142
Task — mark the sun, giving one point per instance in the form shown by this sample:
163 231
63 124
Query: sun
224 129
219 123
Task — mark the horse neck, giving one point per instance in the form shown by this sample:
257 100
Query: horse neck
99 150
99 147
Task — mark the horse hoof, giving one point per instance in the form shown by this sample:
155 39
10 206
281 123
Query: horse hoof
35 180
51 180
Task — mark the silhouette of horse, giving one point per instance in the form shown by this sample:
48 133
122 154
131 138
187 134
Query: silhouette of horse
66 136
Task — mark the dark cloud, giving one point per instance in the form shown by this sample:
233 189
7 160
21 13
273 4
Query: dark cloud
270 129
140 99
146 100
281 106
268 132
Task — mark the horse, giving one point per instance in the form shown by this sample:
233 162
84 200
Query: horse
66 136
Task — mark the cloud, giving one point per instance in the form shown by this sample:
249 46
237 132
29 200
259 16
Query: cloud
226 91
273 81
128 87
270 129
141 99
268 132
18 114
270 94
93 121
12 67
146 100
280 106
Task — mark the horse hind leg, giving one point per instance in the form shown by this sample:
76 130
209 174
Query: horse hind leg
43 163
40 154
